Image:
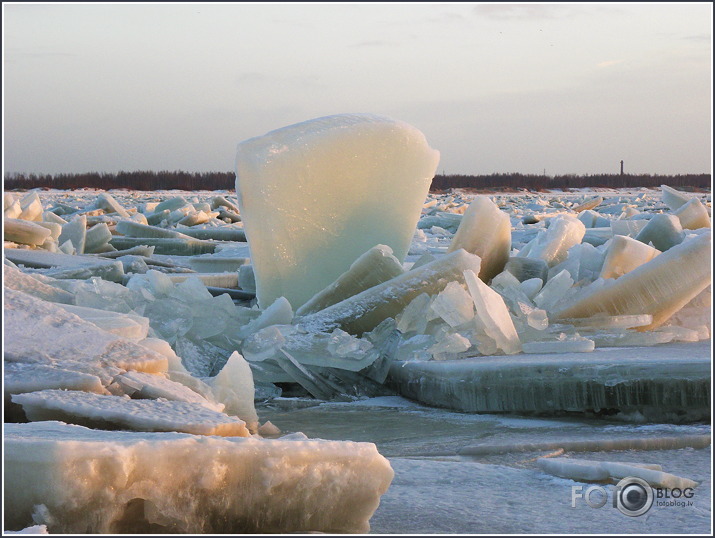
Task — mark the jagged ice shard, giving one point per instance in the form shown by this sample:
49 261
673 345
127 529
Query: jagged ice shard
659 287
322 190
485 230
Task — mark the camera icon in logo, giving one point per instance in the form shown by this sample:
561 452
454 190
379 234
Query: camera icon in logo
633 496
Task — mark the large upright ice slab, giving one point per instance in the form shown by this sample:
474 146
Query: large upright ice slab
485 231
659 287
93 481
316 195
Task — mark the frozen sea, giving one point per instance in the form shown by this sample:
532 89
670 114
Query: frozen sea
434 492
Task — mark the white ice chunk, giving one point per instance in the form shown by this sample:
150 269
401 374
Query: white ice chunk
588 204
31 207
631 228
247 278
552 244
531 287
97 238
492 314
313 195
93 481
233 387
625 254
107 202
24 231
485 231
554 290
85 408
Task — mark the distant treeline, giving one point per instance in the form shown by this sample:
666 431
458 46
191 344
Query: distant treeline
212 181
536 182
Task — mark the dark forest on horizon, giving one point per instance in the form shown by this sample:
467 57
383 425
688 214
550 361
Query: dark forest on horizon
211 181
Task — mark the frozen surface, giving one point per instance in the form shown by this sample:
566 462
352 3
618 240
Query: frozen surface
179 483
331 188
437 491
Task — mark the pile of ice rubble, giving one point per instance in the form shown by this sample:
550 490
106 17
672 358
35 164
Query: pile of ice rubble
576 280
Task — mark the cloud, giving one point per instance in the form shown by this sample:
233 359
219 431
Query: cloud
609 63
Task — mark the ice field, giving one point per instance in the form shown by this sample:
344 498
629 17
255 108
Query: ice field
331 348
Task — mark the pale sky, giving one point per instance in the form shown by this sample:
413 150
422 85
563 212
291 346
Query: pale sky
570 88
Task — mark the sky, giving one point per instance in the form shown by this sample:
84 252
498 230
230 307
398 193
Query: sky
531 88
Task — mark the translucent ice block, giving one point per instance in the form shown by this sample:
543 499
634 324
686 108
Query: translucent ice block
454 305
554 290
180 483
233 387
673 198
75 231
552 244
625 254
374 267
693 215
485 231
660 287
136 229
526 268
97 238
24 231
107 202
315 195
662 231
589 204
492 314
364 311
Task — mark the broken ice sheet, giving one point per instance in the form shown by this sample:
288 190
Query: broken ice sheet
312 197
38 328
599 471
364 311
85 408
